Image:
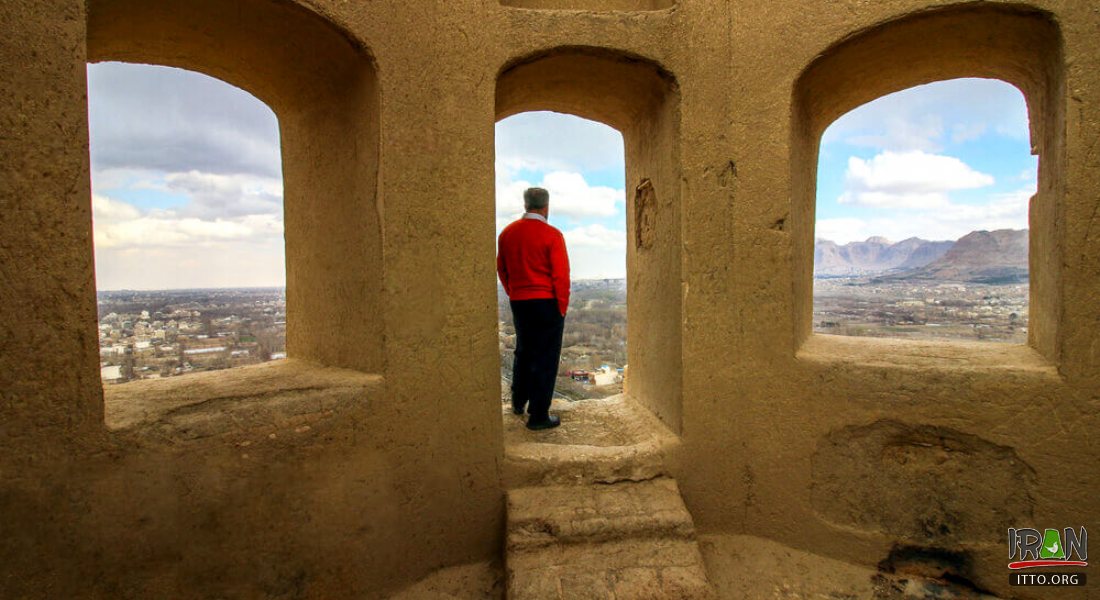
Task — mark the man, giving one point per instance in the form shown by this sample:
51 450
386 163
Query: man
534 270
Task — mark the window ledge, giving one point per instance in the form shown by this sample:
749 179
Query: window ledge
210 403
987 357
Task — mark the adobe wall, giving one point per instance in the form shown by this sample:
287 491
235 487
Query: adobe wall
847 448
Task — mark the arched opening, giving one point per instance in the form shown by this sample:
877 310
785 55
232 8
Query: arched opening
187 207
640 100
922 215
326 104
580 163
1019 46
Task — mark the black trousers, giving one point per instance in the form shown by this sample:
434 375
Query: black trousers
539 326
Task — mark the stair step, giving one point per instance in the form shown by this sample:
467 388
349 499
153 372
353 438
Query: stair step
624 540
540 516
592 512
600 441
535 464
623 570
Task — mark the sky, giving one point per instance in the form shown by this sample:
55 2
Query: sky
581 164
936 161
187 181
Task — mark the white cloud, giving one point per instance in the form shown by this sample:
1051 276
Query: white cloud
965 132
896 133
250 263
106 209
214 195
159 249
167 119
122 225
162 136
895 200
913 186
910 180
841 230
566 152
596 252
967 108
546 141
948 222
595 236
570 196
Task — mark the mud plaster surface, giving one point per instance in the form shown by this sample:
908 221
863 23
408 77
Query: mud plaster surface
382 105
478 581
924 485
739 568
751 568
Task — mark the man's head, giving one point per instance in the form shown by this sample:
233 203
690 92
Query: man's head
536 200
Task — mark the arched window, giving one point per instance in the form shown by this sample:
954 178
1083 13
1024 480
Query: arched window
580 162
331 214
640 100
922 215
188 222
1020 47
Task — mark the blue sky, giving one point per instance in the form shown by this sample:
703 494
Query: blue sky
935 161
186 171
581 163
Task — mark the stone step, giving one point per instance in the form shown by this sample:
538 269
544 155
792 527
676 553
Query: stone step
625 540
600 441
540 516
621 570
548 464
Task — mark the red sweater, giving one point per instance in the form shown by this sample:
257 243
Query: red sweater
532 262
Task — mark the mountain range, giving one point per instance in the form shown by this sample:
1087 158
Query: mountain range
978 257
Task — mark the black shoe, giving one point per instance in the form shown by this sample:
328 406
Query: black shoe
548 423
517 409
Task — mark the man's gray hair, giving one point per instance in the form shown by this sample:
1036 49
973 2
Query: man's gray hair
535 198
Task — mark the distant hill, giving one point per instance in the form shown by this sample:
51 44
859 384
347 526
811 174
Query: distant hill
874 256
978 257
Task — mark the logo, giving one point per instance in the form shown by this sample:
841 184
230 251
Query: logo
1051 548
1030 548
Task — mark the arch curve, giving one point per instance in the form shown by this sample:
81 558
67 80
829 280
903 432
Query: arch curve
641 99
278 51
323 87
612 87
1018 44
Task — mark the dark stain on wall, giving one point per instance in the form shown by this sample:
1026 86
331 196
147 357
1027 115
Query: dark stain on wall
925 485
